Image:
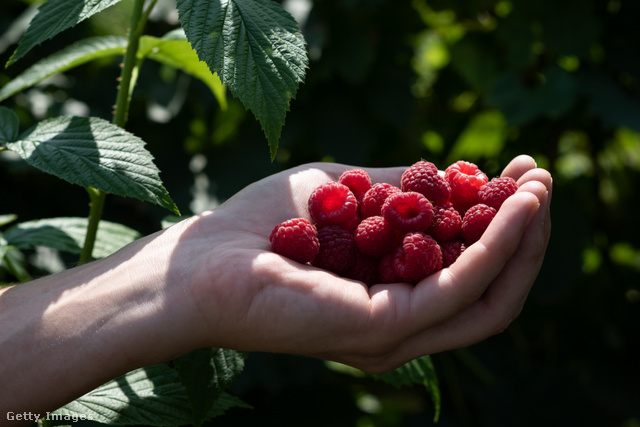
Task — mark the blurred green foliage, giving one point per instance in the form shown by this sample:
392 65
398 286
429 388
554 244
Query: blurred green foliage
389 83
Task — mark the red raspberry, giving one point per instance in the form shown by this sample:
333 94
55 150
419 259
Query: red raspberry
496 191
337 249
408 211
375 236
374 199
465 179
385 269
423 178
446 223
357 180
296 239
417 257
475 222
364 269
333 203
451 250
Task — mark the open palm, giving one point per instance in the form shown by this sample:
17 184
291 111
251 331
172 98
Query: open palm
250 298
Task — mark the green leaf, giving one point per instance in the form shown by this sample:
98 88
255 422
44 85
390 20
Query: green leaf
205 374
92 152
67 234
419 371
256 48
174 50
151 396
9 125
55 16
7 218
72 56
483 137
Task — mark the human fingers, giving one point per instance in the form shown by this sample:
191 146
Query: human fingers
498 306
519 166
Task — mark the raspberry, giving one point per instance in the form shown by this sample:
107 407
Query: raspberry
423 178
296 239
337 249
373 199
364 269
417 257
357 180
333 203
446 223
475 222
408 211
496 191
465 179
451 250
385 269
375 236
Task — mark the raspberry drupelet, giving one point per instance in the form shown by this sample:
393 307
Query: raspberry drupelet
337 249
373 199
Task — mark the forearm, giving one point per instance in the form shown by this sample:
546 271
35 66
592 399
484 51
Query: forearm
65 334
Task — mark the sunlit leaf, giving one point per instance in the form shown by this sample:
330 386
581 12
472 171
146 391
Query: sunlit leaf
55 16
92 152
256 48
67 234
151 396
72 56
174 50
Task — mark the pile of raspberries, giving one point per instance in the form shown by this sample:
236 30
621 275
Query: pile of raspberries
380 233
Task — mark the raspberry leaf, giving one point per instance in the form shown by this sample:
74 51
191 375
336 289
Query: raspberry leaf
92 152
68 235
256 48
55 16
9 125
150 396
419 371
72 56
174 50
206 373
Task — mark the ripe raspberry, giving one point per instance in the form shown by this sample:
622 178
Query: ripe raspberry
446 223
333 203
375 236
337 249
475 222
451 250
357 180
496 191
417 257
373 199
465 179
296 239
385 269
423 178
364 269
408 211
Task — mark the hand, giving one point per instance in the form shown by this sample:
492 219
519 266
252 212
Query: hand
249 298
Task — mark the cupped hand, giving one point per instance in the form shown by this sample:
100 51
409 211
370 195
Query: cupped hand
248 298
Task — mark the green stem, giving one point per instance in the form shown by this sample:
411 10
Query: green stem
127 82
97 198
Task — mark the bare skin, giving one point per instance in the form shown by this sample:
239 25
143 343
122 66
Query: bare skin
212 280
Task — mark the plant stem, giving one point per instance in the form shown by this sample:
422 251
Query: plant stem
123 98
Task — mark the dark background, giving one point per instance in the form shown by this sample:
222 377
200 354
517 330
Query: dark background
391 82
